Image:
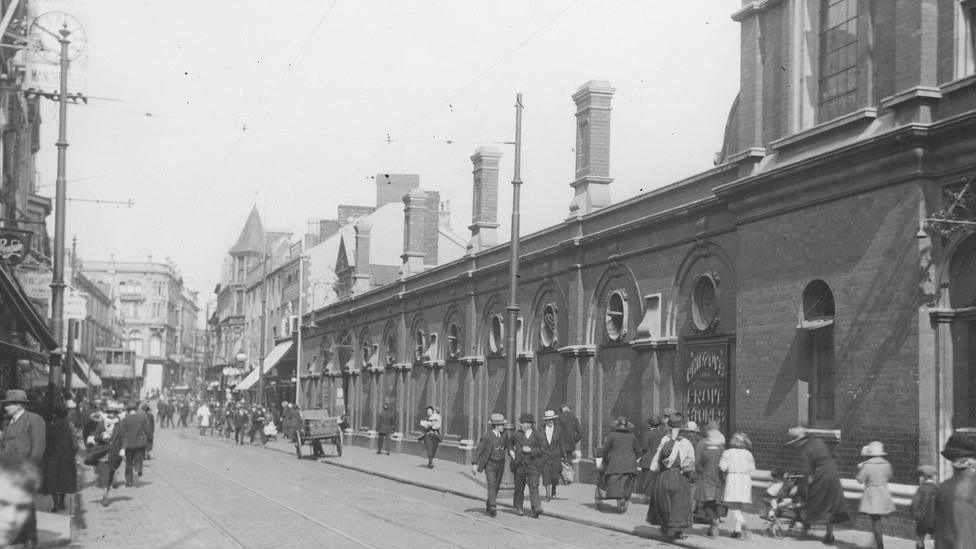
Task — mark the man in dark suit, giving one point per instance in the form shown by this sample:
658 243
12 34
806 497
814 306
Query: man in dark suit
569 426
134 436
526 446
384 428
490 458
25 436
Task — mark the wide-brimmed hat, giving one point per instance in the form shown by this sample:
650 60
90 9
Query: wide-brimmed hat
15 396
691 426
959 446
796 434
676 422
496 419
70 404
549 415
874 449
654 420
668 412
526 418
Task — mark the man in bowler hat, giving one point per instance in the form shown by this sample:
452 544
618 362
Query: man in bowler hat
24 435
526 447
490 458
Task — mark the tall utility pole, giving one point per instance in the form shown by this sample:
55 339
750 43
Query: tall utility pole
513 266
57 285
298 337
264 329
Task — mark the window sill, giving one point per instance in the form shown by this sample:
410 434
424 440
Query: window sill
958 84
850 119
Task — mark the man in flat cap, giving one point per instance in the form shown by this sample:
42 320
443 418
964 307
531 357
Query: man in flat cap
24 435
955 499
490 458
526 447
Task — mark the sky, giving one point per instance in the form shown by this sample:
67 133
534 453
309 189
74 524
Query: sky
202 110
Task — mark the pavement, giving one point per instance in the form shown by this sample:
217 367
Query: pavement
574 502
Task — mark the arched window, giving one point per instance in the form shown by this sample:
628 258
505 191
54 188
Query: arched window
496 335
818 323
135 342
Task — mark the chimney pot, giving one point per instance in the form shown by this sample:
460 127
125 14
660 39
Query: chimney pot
592 184
484 211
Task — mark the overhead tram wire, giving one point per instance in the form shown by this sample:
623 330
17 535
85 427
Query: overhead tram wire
206 186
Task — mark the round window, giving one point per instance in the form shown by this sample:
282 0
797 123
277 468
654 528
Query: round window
496 337
704 302
547 328
616 315
454 341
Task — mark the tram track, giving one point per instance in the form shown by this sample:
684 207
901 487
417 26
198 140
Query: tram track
308 467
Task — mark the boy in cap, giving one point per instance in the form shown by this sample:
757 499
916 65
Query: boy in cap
490 458
527 444
923 504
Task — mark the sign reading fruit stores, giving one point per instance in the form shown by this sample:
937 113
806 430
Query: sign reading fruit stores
14 246
707 379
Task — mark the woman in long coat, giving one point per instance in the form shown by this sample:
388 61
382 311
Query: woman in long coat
552 453
708 454
620 453
60 474
825 496
674 460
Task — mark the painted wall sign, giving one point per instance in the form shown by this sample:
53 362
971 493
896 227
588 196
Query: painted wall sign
14 246
707 379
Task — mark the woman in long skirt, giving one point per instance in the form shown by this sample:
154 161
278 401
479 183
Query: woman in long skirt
674 460
620 452
432 434
708 453
552 454
60 474
825 497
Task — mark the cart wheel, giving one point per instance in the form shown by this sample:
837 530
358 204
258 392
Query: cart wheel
622 505
338 445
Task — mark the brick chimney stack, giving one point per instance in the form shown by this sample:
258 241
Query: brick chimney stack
592 184
484 211
362 277
414 221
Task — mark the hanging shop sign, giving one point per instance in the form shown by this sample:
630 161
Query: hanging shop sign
14 246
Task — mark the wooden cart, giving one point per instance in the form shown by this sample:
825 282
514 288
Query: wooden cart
316 427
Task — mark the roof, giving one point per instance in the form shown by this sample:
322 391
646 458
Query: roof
251 239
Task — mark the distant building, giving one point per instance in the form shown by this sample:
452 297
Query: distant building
155 307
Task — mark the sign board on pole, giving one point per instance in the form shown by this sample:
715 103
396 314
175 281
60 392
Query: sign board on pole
36 284
75 305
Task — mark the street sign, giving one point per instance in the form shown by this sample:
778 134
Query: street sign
36 284
75 305
14 246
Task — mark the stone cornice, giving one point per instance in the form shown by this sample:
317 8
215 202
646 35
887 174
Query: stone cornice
403 367
655 344
753 8
475 360
945 316
861 115
912 94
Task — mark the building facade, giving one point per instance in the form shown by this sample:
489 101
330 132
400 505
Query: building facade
822 270
154 306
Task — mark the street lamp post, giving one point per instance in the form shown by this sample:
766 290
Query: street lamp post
57 285
513 268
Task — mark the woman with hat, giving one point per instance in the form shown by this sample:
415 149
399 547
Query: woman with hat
955 500
674 460
619 467
876 502
490 458
825 497
431 436
552 453
708 454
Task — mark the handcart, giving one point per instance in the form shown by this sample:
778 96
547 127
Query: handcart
317 426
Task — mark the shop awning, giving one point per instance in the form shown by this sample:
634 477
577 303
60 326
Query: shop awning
84 372
270 361
14 295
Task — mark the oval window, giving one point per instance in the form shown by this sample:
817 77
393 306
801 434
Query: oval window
616 315
704 302
547 327
454 341
390 351
496 337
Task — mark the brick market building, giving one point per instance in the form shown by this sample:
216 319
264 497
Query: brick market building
822 272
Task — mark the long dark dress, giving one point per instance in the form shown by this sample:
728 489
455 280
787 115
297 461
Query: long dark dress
60 473
824 493
670 506
620 451
652 439
710 484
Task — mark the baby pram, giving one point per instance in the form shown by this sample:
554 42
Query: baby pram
783 510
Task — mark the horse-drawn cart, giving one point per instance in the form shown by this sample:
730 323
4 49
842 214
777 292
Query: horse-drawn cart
316 427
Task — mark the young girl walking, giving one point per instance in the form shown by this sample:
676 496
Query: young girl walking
876 502
737 463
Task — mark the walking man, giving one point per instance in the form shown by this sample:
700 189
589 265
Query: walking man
240 423
385 427
569 428
490 458
133 432
24 436
184 410
527 446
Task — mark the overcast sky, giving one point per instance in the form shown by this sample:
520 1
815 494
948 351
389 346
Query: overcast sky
219 105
